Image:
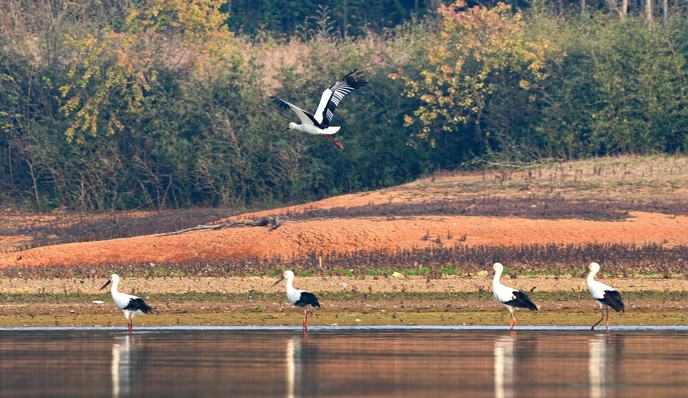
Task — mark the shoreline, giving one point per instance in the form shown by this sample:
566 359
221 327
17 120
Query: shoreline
477 282
659 308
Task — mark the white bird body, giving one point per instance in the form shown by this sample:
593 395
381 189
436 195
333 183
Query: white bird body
605 296
510 298
310 128
293 295
130 305
319 123
501 292
597 289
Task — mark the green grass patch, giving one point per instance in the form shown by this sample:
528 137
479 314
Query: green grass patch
342 272
448 270
420 271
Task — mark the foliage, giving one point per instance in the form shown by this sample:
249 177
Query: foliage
613 95
128 104
113 66
351 17
475 51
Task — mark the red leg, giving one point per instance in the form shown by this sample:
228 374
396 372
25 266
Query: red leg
598 322
513 322
334 141
305 321
606 319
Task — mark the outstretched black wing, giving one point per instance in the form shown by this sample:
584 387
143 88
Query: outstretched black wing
307 298
333 95
137 304
521 300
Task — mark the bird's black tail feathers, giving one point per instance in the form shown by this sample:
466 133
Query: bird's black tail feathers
613 299
522 300
308 298
138 304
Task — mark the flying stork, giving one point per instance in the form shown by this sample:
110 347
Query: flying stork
319 124
605 296
510 298
130 305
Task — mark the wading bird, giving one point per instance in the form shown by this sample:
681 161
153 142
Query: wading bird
299 298
605 296
130 305
511 298
319 124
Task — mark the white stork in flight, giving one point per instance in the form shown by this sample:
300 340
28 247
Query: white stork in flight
319 124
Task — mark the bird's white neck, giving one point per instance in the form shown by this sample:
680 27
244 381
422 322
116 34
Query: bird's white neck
497 276
290 284
113 289
591 274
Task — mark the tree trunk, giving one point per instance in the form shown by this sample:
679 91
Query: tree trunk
624 9
561 10
648 10
665 10
345 17
582 6
432 6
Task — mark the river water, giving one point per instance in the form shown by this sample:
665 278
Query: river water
343 362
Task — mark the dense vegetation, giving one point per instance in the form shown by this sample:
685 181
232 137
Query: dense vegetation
127 104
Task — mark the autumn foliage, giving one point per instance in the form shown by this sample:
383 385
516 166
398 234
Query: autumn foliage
123 60
158 104
475 50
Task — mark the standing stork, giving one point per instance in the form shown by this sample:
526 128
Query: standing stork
299 298
319 124
510 298
606 296
130 305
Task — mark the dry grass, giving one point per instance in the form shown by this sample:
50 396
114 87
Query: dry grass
21 230
619 179
619 259
494 206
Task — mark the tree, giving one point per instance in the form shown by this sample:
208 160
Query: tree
476 50
120 60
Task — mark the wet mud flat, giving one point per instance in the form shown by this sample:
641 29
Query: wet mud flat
339 309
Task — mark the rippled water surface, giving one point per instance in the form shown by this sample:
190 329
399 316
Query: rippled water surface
353 363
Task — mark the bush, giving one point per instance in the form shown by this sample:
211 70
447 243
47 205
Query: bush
158 105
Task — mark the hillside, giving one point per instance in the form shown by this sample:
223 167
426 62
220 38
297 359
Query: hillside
622 201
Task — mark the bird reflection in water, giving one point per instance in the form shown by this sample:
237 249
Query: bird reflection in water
604 351
504 367
128 360
120 366
301 357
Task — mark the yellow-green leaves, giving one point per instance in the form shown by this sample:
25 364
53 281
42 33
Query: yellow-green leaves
473 49
112 67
